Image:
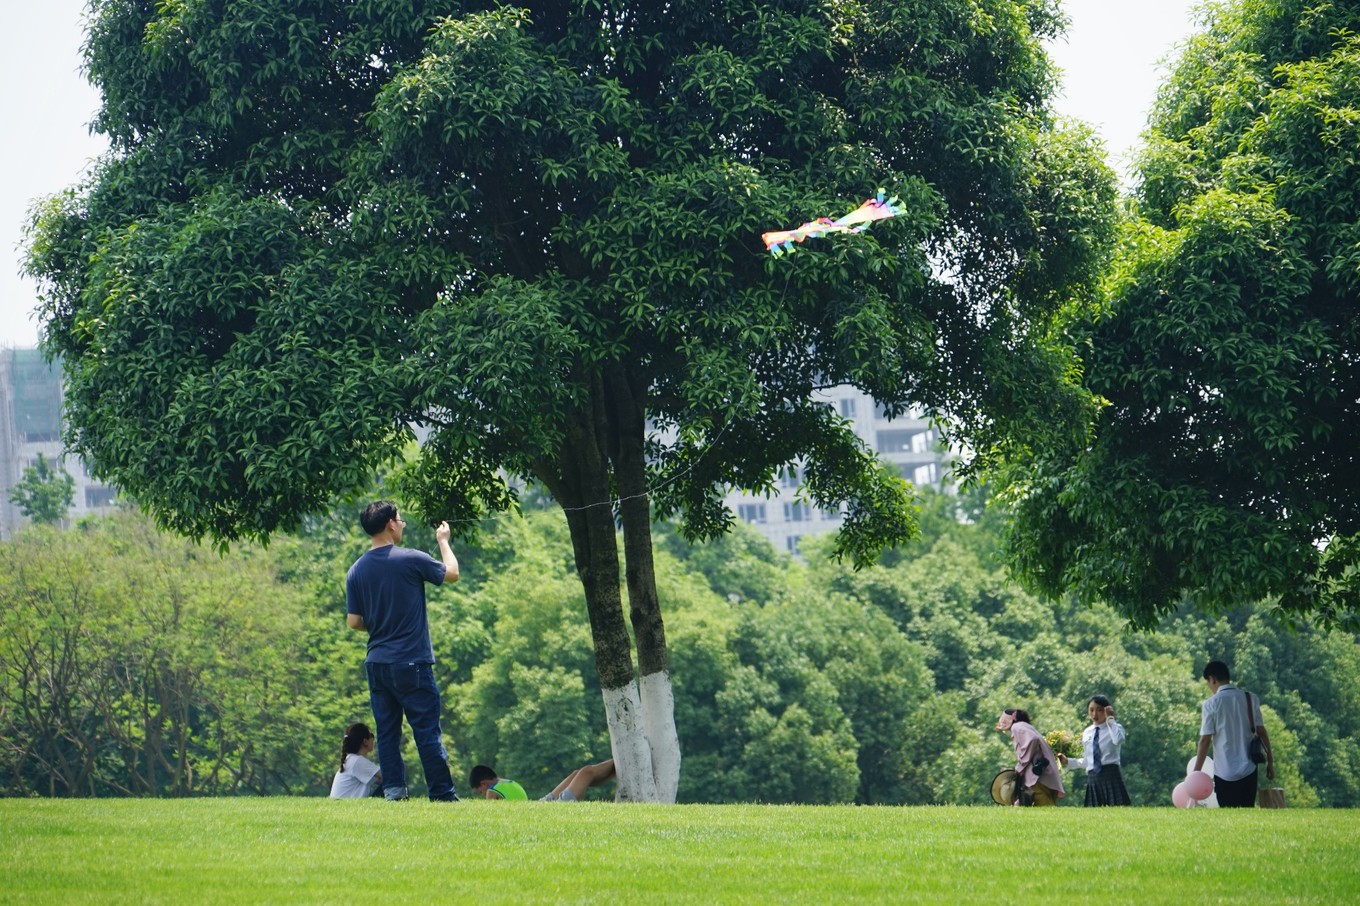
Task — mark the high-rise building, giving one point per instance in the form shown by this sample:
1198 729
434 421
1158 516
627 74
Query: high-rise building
910 443
30 424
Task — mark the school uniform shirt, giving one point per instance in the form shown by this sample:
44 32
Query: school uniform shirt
1224 717
357 780
1111 738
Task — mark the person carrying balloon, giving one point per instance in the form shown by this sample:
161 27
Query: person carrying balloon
1100 744
1036 767
1230 719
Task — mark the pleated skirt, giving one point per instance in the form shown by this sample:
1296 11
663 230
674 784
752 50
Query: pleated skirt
1106 787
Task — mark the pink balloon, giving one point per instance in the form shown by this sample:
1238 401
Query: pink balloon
1199 785
1180 797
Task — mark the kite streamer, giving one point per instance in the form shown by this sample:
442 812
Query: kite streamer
857 221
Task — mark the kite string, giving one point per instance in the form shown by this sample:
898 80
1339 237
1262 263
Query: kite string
614 502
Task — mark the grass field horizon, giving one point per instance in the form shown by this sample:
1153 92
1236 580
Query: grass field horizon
303 850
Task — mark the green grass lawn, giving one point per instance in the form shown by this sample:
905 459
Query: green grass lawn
369 852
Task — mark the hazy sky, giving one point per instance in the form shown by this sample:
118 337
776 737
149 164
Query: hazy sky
1110 59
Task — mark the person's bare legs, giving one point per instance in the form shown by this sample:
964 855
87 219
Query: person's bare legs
566 781
582 779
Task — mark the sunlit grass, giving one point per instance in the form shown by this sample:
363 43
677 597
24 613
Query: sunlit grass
316 850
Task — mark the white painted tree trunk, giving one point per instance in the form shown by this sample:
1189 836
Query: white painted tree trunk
628 739
658 712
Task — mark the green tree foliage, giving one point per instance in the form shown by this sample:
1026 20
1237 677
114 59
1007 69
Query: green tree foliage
1051 657
795 700
535 229
1222 471
135 663
322 222
989 644
44 494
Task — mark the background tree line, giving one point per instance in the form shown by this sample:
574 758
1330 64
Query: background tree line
136 663
320 224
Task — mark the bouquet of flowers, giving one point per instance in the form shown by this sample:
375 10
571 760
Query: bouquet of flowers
1062 742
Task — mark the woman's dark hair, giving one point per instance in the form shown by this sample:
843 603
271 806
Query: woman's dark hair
1021 716
355 734
1100 700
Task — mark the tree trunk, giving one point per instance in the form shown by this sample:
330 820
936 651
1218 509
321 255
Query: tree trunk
581 484
629 423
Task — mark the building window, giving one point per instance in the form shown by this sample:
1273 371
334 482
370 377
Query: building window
791 542
97 496
848 407
789 480
924 474
901 440
797 512
751 512
895 441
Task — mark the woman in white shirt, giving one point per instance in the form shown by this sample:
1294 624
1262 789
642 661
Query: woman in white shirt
1100 744
358 777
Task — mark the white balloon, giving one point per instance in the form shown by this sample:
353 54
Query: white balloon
1208 767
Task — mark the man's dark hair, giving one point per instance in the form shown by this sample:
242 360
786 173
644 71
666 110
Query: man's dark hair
376 516
1217 670
479 773
1021 715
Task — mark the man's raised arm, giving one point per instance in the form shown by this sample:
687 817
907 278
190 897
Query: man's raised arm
441 535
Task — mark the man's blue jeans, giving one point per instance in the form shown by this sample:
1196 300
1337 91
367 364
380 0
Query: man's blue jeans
397 689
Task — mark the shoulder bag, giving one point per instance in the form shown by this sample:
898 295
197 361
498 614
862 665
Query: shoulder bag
1255 750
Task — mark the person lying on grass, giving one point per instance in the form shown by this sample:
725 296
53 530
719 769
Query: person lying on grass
484 780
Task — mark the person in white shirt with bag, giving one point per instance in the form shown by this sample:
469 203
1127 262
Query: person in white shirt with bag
1231 721
1100 744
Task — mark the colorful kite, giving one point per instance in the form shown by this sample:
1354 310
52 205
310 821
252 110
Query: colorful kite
857 221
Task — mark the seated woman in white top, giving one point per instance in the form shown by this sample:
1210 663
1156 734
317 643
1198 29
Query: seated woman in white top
358 777
1100 743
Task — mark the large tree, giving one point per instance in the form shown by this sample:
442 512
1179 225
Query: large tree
1224 467
534 231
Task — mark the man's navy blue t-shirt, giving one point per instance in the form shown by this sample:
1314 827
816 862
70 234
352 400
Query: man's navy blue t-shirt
386 586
